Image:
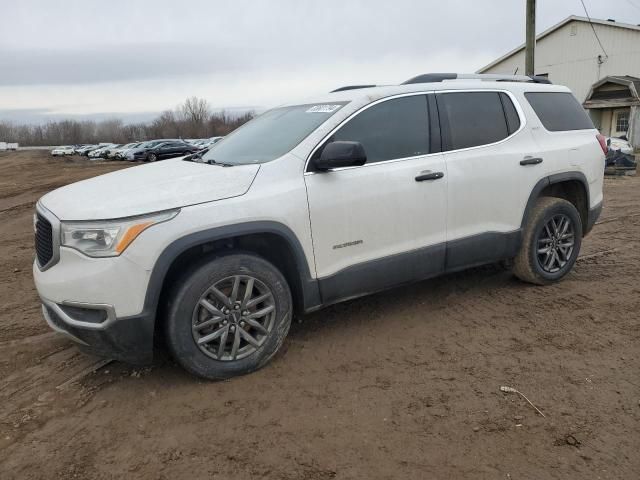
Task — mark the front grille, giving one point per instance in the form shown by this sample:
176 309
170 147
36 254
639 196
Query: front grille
44 240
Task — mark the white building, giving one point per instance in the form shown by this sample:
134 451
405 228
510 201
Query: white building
570 54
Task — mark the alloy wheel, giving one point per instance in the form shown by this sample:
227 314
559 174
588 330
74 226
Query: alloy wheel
233 318
555 243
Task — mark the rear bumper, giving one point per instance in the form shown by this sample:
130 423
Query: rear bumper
594 214
127 339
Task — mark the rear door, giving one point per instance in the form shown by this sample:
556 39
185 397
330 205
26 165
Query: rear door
383 223
493 165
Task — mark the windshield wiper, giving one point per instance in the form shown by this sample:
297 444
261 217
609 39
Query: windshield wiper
214 162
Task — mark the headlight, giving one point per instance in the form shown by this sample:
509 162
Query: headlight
111 237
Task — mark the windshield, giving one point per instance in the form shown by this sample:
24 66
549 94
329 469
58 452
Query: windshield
270 135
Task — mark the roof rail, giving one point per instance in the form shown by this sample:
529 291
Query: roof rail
351 87
441 77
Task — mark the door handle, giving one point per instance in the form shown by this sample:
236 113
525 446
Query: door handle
530 161
430 176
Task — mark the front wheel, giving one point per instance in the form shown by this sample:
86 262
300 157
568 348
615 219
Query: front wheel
152 157
551 242
229 316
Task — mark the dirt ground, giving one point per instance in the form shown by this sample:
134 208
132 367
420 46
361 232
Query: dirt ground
404 384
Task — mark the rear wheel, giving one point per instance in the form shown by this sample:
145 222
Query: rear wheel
551 242
228 317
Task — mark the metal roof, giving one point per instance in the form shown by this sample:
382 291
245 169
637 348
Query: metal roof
614 100
572 18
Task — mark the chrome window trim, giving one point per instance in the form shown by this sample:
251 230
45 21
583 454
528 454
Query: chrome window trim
55 237
513 98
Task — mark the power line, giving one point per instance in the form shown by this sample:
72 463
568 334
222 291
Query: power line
633 4
594 29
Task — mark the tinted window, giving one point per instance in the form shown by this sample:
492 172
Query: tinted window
392 129
471 119
559 111
513 120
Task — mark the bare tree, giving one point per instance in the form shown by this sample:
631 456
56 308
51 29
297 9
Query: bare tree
195 112
192 119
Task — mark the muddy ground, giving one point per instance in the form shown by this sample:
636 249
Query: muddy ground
404 384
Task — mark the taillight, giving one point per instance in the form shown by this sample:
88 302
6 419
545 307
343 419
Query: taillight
602 140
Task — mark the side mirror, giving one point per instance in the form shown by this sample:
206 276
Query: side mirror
341 154
609 141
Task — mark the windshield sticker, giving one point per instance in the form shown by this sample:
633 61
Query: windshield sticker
323 108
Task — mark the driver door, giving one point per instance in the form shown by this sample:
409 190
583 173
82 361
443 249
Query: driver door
383 223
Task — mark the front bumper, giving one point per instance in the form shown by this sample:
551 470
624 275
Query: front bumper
126 339
98 302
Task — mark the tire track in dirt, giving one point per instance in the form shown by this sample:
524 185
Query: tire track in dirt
399 384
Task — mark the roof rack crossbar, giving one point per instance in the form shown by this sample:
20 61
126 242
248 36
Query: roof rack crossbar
351 87
441 77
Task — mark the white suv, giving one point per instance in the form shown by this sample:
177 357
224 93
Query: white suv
354 192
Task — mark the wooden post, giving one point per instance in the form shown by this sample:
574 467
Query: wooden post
530 48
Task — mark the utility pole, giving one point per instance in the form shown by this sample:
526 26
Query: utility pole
530 48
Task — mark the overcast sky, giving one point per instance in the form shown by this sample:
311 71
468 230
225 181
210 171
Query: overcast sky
137 57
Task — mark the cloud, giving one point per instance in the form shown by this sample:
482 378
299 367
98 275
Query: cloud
86 57
112 63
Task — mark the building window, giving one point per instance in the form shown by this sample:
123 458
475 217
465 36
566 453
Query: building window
622 122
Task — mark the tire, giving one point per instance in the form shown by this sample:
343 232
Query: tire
197 313
152 157
535 262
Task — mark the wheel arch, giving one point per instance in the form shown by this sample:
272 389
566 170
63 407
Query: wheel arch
271 240
572 186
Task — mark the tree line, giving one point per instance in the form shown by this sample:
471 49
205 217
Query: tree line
193 119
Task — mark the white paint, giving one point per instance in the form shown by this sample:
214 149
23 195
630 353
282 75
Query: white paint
484 189
148 188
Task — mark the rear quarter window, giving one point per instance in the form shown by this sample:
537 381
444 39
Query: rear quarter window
559 111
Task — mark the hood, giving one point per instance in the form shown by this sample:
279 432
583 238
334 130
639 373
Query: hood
149 188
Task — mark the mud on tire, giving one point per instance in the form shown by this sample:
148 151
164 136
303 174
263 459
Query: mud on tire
551 242
228 317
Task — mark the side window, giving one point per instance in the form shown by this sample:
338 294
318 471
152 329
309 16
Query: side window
471 119
559 111
397 128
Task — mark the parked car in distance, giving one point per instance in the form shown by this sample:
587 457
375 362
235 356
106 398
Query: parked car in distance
354 192
100 152
121 153
210 142
140 152
108 152
80 148
88 149
163 150
62 151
